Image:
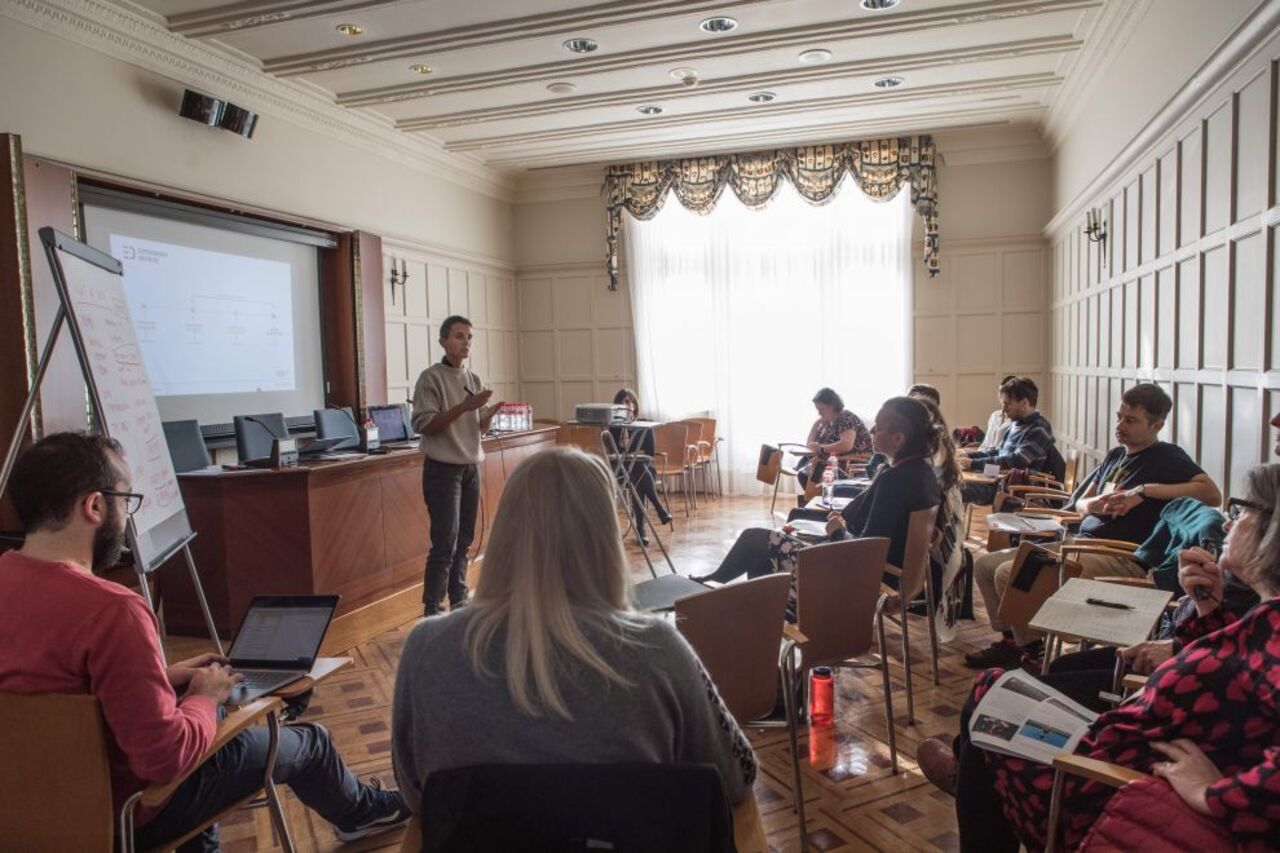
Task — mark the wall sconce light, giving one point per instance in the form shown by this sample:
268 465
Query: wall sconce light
1096 230
398 276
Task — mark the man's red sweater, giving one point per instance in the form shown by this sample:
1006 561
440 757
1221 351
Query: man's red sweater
63 630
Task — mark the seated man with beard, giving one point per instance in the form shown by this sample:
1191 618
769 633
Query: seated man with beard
65 630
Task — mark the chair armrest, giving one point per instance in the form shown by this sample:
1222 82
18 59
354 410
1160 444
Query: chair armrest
1118 544
891 569
1066 516
1126 581
794 634
1094 770
795 448
412 842
235 723
1096 549
1132 681
1037 491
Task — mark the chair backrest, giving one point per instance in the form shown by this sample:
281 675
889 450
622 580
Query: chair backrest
55 783
337 423
636 806
736 631
695 430
708 429
837 586
673 440
915 555
1072 474
770 464
186 445
253 437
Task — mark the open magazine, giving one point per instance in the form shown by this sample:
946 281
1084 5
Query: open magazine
1022 716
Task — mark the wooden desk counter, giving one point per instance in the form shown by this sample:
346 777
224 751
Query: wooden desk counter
357 528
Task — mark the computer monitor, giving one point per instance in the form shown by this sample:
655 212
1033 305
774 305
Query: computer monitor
392 422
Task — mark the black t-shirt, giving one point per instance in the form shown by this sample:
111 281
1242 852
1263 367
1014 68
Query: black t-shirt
1162 463
885 508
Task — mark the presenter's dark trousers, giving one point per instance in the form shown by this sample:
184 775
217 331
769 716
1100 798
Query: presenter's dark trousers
452 493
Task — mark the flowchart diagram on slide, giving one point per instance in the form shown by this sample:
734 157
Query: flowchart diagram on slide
208 322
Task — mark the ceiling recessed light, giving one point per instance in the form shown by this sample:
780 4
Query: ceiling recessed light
351 30
889 82
580 45
421 69
649 110
561 87
878 5
761 97
817 56
718 24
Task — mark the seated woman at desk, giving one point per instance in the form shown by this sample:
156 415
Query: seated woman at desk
548 664
642 475
905 432
836 431
1208 719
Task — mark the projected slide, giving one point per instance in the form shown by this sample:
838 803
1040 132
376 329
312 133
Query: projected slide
208 322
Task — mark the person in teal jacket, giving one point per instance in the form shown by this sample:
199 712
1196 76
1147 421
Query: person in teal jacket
1184 523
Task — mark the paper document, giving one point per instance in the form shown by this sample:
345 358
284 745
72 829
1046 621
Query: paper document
1008 522
808 529
1112 613
1021 715
836 504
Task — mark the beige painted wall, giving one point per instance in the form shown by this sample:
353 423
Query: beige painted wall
983 316
94 111
438 286
1169 43
1186 296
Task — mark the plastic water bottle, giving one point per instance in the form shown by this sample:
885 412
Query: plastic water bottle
829 480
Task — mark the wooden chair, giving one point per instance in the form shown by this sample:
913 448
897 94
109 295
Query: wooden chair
913 577
709 449
838 606
671 458
55 789
1102 772
697 463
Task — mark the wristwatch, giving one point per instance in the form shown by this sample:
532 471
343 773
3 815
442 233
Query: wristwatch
1141 491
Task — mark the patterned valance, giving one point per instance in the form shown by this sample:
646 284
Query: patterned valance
879 166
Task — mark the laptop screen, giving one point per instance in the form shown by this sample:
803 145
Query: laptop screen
282 631
390 422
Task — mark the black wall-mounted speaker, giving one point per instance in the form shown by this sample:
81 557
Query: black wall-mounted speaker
216 113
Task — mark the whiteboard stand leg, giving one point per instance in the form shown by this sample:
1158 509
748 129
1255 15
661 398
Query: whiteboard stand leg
145 592
24 420
204 604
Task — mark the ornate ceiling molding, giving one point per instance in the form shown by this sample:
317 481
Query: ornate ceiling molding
996 116
994 86
815 36
144 42
611 14
255 14
864 67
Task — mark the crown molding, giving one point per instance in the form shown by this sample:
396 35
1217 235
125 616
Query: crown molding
563 21
754 140
255 14
560 184
1237 49
864 67
998 85
817 35
1087 69
426 252
143 41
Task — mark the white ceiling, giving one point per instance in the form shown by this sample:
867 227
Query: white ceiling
965 63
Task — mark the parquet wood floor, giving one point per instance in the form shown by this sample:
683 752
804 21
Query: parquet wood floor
853 800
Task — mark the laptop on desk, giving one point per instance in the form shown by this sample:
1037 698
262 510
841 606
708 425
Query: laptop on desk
278 641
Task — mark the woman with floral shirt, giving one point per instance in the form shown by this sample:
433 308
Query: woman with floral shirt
836 431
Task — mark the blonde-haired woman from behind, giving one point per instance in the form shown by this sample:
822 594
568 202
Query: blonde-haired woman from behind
548 664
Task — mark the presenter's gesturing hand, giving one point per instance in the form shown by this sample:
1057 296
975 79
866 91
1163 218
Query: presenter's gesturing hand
477 401
215 681
181 673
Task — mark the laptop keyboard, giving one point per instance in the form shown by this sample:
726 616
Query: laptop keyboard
259 680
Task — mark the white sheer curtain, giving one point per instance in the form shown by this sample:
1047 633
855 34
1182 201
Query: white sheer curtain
747 313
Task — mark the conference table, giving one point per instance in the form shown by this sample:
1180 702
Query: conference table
354 527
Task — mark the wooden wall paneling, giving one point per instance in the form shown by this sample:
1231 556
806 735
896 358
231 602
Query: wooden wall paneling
1273 316
1248 428
1248 302
1217 168
1252 146
1167 203
1191 185
1188 275
372 347
338 318
1214 308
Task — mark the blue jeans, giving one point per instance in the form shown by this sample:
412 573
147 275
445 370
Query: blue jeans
306 761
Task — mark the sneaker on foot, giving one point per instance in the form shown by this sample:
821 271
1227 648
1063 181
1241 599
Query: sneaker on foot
388 811
938 762
1033 657
1003 653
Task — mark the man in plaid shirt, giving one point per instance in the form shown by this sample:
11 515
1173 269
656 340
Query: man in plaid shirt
1027 444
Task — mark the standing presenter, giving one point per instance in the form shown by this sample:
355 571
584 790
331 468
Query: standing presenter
450 412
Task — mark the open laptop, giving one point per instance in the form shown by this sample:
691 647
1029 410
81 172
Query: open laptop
277 643
394 430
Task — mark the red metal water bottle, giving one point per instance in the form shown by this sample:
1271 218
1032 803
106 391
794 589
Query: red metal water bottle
822 697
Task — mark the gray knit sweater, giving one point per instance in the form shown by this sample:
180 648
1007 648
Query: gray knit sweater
444 715
441 387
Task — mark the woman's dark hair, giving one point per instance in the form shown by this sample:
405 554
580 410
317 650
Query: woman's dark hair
928 392
912 418
949 475
58 470
827 397
625 394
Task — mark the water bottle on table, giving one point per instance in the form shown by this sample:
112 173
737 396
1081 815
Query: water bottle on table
829 481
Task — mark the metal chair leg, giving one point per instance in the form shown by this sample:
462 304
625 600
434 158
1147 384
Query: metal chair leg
789 673
888 693
1055 807
906 661
931 606
269 784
